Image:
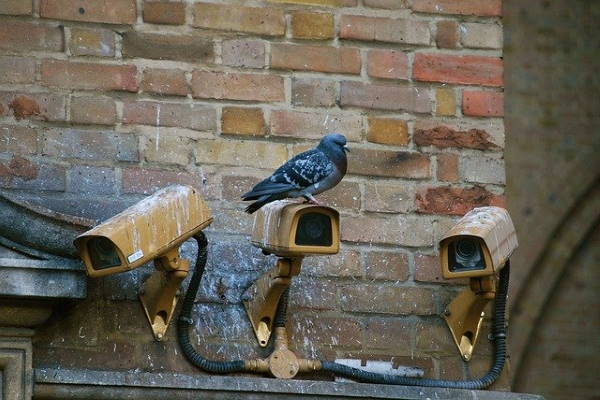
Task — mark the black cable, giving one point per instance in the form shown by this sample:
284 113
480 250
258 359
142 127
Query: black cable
499 333
281 314
184 322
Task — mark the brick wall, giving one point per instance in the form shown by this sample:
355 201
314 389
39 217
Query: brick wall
103 102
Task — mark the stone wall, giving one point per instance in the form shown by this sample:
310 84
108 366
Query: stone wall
104 102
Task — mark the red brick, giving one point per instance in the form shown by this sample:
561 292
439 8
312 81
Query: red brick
384 29
18 139
381 197
167 47
344 60
443 136
89 76
389 4
90 145
107 11
435 338
20 36
307 25
233 86
243 53
92 42
149 180
447 167
389 64
486 8
21 173
454 200
318 328
159 12
372 298
17 70
468 70
165 81
92 110
385 97
386 265
482 104
399 164
313 92
40 106
395 230
428 269
311 125
344 264
389 334
262 21
313 293
16 7
91 180
243 121
387 131
446 36
198 117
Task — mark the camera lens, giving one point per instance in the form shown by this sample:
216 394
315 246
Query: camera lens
467 255
102 253
314 230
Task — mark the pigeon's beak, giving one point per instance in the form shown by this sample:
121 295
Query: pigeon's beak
346 149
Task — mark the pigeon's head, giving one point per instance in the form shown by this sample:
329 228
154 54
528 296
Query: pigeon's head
334 141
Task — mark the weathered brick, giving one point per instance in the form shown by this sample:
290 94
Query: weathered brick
90 145
488 8
434 337
446 35
344 264
167 149
389 64
372 298
242 153
468 70
93 110
483 170
193 116
17 36
72 75
481 36
262 21
91 180
482 104
452 368
321 3
428 269
387 131
447 167
167 47
107 11
21 173
445 102
313 293
454 200
396 230
443 136
388 4
165 81
388 334
40 106
315 58
311 125
385 97
384 29
232 86
243 53
17 70
164 12
307 25
398 164
18 139
16 7
149 180
243 121
386 265
313 92
343 195
389 198
317 328
234 186
92 42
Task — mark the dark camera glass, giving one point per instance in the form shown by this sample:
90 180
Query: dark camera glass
465 255
103 253
314 229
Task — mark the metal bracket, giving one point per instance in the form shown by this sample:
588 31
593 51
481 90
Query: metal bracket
262 298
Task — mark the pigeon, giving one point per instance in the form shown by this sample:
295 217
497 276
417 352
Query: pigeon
309 173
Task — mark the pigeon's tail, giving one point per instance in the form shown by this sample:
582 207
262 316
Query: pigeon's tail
259 203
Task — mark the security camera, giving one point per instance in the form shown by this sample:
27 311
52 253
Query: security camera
290 229
477 247
152 229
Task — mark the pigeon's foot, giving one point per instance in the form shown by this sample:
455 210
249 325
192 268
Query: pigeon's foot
310 199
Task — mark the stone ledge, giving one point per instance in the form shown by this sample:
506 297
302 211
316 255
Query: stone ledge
79 384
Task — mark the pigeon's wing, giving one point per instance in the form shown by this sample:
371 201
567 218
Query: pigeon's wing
298 173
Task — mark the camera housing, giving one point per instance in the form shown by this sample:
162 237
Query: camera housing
479 244
143 231
290 229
